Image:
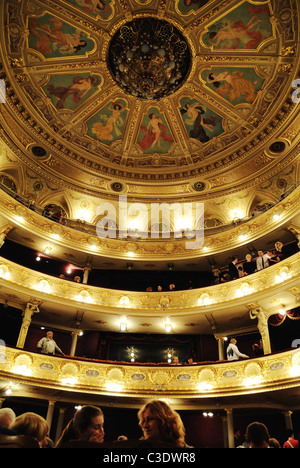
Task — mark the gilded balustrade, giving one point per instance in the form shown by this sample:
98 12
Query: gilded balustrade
146 249
283 277
272 372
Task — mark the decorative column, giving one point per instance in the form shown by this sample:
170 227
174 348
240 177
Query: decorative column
86 272
4 230
288 419
27 315
50 411
262 325
230 428
75 335
220 341
60 422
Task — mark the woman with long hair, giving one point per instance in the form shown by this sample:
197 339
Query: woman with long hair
159 422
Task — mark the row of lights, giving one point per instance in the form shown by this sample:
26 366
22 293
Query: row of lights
167 324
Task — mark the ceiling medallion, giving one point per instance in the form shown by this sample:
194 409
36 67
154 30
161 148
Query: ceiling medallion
149 58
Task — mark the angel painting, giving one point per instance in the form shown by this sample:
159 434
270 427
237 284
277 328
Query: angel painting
51 37
70 96
199 126
155 134
112 121
243 28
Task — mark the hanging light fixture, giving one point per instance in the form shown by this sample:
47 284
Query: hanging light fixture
149 58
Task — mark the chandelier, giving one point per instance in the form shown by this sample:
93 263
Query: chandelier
149 58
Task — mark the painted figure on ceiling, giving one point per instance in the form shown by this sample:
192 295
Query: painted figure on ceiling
235 85
78 89
54 38
155 133
111 127
194 117
246 27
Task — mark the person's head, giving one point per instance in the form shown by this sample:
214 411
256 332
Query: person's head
7 417
257 435
260 253
31 424
172 286
290 433
175 360
233 341
49 335
248 258
234 259
159 288
159 421
89 424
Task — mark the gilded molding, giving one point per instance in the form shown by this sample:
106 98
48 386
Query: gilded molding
280 278
272 372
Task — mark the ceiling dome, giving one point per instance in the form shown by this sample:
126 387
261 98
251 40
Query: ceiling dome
206 110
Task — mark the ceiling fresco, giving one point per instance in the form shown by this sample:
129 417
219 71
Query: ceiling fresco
215 129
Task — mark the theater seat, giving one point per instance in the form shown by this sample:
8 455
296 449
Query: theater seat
18 441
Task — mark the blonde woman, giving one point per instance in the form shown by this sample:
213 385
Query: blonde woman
160 423
32 424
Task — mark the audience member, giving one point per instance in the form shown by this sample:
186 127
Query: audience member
172 287
262 260
149 289
33 425
273 443
257 435
77 279
89 424
159 288
7 418
47 345
233 353
233 271
279 252
273 259
225 277
249 265
159 422
291 442
175 361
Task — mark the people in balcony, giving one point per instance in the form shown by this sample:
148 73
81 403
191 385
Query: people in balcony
249 265
47 345
233 352
233 271
262 260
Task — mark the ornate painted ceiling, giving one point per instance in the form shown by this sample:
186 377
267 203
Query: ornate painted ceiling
76 132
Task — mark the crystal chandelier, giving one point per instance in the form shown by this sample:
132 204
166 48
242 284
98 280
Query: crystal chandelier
149 58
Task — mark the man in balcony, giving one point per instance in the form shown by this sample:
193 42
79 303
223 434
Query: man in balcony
233 353
47 345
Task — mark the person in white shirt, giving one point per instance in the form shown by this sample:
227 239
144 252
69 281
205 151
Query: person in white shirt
233 353
262 260
47 345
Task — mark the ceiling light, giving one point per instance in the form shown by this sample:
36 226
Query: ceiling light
123 323
114 387
168 325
